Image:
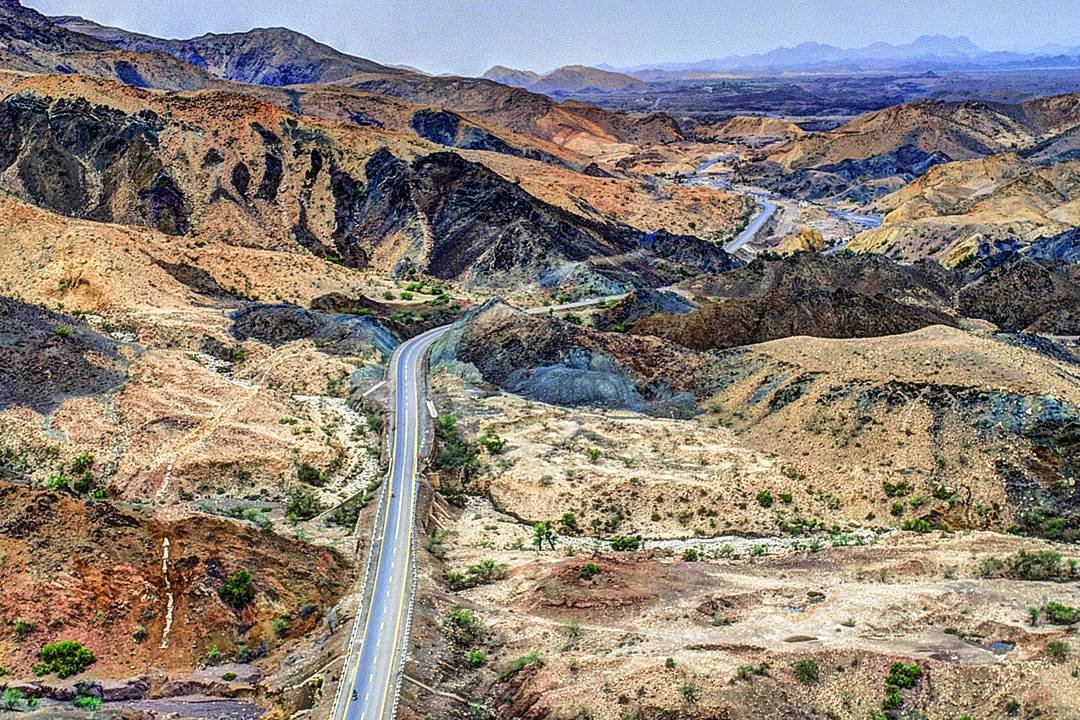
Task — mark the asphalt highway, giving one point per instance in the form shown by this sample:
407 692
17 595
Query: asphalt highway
377 648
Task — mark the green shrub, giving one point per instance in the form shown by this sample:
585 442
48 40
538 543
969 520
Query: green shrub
917 525
1035 565
310 475
256 517
623 543
280 626
487 571
456 452
84 483
1059 614
65 658
14 699
765 498
303 503
58 481
475 658
569 523
1058 650
806 670
588 571
91 703
899 489
228 676
239 591
748 672
691 555
491 442
462 625
903 675
23 628
520 664
82 462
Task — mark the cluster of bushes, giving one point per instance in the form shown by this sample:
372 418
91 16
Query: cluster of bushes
1060 614
253 515
311 475
901 676
588 571
1033 565
456 452
64 657
78 478
484 572
491 442
347 513
806 670
623 543
302 503
462 626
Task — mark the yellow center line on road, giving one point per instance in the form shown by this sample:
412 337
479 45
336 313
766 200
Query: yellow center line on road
350 675
408 545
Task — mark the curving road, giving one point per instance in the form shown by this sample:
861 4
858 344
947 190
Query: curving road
377 648
379 641
751 230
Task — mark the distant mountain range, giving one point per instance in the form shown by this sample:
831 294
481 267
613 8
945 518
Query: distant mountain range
927 52
265 56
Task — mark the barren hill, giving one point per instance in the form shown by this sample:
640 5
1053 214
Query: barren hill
566 80
510 76
266 56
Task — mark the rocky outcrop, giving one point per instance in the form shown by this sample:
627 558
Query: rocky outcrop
924 283
639 304
264 56
555 361
857 179
352 335
788 311
1025 295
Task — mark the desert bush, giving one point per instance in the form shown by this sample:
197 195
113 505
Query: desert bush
64 657
588 571
310 475
91 703
462 625
1058 650
303 503
520 664
806 670
1059 614
624 543
239 591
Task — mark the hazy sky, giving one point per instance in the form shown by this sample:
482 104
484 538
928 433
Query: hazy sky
468 36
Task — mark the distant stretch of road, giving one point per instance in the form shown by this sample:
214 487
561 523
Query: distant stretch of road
751 230
369 682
